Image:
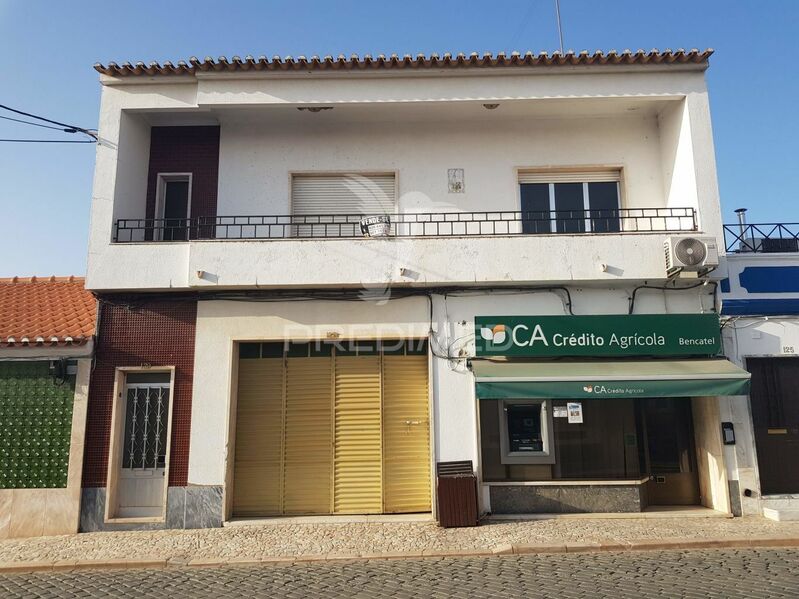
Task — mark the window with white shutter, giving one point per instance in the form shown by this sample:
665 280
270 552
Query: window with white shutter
331 205
570 202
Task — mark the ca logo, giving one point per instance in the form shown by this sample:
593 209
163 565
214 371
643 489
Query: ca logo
497 335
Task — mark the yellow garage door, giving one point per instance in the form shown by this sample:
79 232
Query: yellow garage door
307 466
358 452
259 435
406 434
329 432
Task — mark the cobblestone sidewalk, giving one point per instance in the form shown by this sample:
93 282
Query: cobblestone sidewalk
372 538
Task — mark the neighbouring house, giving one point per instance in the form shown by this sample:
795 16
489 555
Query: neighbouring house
760 327
46 344
319 278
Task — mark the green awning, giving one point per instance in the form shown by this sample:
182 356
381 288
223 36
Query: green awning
597 379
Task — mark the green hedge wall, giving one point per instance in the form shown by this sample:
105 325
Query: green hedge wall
35 426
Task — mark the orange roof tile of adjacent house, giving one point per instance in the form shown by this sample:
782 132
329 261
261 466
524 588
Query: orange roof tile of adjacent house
45 311
381 62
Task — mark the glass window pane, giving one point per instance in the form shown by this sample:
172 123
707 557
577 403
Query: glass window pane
524 428
249 351
148 377
176 210
273 349
535 208
569 207
146 416
603 201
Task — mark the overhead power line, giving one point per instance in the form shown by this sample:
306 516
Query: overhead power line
560 28
50 141
67 128
8 118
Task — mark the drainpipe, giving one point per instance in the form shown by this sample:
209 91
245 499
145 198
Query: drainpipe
744 246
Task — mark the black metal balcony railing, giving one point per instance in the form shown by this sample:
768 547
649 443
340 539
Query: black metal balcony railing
432 224
763 238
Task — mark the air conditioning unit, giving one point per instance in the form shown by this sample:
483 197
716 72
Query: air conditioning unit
691 254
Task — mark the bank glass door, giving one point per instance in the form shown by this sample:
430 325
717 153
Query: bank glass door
670 454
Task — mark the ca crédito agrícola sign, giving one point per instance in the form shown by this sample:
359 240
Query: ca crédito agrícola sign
611 335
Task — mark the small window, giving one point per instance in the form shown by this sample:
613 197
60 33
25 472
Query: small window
332 205
586 202
173 206
146 417
525 427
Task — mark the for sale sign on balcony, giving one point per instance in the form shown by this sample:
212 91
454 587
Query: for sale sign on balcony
612 335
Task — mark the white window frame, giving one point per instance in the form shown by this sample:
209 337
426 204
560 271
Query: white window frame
551 176
547 456
160 196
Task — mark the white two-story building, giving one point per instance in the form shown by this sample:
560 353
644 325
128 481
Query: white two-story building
319 278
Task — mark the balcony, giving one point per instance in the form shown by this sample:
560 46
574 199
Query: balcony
442 224
767 238
445 249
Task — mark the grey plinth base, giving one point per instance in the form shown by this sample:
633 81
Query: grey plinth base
186 507
567 499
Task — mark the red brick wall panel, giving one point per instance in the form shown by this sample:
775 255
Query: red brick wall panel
192 150
159 333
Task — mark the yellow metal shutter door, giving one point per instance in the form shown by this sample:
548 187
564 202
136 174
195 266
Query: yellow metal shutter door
259 415
308 453
406 434
358 457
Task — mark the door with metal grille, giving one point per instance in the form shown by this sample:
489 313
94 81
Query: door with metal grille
144 446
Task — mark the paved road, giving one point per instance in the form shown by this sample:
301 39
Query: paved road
714 573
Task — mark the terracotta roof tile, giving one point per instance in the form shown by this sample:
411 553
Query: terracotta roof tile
38 311
420 61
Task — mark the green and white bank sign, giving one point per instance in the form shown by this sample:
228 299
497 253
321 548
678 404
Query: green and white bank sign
613 335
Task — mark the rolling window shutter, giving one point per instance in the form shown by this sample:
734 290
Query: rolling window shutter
343 194
569 177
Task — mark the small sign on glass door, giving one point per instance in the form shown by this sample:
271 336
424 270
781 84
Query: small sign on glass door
575 410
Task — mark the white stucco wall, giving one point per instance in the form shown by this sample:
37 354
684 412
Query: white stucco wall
255 162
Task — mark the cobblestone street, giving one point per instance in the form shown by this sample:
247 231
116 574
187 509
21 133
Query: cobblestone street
710 573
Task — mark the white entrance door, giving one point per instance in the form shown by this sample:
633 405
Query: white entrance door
144 446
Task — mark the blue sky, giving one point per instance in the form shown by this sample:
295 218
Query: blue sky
48 49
